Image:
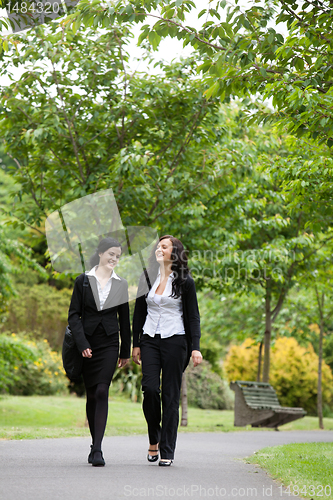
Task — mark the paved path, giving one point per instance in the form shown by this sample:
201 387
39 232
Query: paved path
206 466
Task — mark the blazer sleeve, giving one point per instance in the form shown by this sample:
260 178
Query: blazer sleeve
124 325
74 315
139 319
192 313
140 312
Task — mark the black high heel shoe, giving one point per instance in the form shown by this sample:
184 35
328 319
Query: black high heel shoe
90 454
165 462
97 458
152 458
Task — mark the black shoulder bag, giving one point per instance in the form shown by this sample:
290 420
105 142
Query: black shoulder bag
72 358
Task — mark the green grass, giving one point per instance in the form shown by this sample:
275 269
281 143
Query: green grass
33 417
305 469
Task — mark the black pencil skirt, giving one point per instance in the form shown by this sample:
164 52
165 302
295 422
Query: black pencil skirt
99 369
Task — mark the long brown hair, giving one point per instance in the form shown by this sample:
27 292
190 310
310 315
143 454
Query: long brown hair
179 265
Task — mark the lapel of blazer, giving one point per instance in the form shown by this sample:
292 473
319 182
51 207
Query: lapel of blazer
93 286
114 297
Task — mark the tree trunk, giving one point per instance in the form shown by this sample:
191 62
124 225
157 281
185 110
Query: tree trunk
268 334
183 421
320 362
259 361
321 304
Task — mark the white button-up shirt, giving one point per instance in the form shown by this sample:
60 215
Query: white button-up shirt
164 316
103 293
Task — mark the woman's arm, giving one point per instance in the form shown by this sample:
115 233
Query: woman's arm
74 316
193 315
139 318
124 325
193 320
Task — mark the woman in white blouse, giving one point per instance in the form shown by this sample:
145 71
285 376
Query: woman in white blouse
166 332
96 334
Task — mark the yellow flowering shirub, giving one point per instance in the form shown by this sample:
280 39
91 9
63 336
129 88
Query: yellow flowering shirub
293 371
28 367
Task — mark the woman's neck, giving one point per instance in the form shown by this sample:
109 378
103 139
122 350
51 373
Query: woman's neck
103 273
165 270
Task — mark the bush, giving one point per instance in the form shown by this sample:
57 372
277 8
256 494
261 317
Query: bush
293 372
41 310
127 380
28 367
206 389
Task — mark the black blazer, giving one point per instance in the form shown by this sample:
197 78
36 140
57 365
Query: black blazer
191 316
115 305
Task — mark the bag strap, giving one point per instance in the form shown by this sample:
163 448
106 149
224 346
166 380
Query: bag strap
85 284
147 278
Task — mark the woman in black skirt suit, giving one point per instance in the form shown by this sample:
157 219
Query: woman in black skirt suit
106 311
166 333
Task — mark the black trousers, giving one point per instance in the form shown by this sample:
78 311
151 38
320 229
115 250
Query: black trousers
166 355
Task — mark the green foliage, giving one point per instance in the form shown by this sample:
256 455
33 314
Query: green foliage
28 367
14 258
230 316
153 147
5 161
293 374
243 51
272 50
206 389
211 351
41 310
127 380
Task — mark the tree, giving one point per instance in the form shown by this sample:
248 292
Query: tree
256 246
148 137
15 256
241 53
317 309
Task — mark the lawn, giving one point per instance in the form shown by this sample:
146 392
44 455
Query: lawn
305 469
64 416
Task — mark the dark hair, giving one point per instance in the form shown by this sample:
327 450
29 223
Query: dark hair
102 247
179 265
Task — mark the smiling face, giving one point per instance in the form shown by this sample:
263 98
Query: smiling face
110 258
163 251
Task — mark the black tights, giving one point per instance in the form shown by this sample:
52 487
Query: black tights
97 412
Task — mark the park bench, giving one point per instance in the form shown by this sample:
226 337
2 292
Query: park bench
256 403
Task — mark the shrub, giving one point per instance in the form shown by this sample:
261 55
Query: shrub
241 362
127 380
41 310
206 389
28 367
293 372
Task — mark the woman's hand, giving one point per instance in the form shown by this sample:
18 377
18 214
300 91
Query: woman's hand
123 362
87 353
196 357
136 355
